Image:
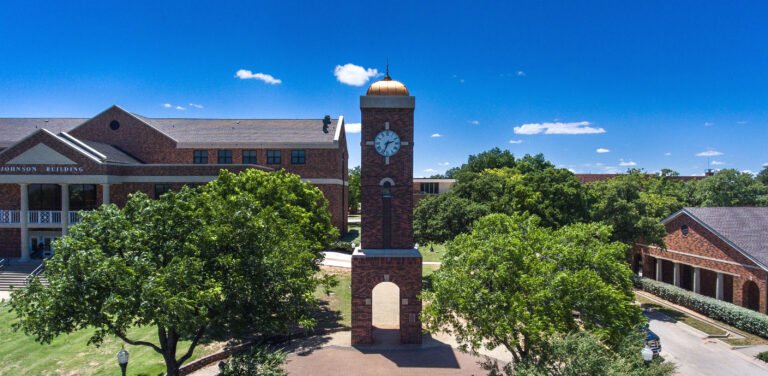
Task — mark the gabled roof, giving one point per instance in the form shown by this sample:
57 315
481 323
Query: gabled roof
15 129
192 132
743 228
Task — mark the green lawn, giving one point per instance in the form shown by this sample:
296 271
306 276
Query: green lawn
432 252
69 354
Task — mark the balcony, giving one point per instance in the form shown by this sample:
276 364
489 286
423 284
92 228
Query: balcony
37 217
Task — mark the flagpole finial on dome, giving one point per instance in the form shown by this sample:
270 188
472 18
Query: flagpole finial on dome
387 86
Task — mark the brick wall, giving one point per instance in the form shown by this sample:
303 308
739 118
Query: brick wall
703 249
10 242
367 272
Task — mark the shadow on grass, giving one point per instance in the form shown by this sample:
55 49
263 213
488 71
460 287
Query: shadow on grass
351 235
328 319
659 313
426 282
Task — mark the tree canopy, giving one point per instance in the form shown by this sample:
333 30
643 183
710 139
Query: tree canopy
354 189
513 283
439 218
238 255
730 187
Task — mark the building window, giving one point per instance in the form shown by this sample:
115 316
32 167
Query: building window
200 157
82 197
684 230
298 157
225 156
249 157
44 197
161 189
273 157
114 125
430 188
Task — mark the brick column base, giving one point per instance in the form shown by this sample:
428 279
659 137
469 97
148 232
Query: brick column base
371 267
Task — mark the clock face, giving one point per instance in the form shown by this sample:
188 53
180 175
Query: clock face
387 143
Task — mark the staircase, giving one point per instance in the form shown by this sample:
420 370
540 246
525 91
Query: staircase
15 274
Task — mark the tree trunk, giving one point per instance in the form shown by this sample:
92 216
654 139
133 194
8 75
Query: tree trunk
171 366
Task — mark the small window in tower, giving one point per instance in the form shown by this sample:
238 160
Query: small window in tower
114 125
684 230
386 190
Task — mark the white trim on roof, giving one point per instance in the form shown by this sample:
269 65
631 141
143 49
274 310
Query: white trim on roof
339 125
712 230
83 145
117 179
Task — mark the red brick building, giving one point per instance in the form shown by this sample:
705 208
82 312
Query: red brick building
718 252
50 169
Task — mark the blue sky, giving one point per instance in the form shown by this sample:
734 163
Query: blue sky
655 83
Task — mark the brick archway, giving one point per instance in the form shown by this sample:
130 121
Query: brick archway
368 271
751 296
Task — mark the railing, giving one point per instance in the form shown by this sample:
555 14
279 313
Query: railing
34 273
2 263
10 217
44 217
38 217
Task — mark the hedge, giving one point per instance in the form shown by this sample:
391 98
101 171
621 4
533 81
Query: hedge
731 314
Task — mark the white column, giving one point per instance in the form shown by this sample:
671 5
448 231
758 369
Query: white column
24 222
697 280
719 287
64 209
676 275
658 269
105 194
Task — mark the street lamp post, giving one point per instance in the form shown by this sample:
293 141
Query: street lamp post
122 359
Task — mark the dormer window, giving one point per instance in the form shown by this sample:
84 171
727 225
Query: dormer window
684 230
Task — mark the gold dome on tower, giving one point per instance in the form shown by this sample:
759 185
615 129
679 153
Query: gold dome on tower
387 87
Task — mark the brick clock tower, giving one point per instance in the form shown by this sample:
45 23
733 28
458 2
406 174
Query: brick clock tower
387 252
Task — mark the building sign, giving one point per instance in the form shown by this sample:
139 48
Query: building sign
43 169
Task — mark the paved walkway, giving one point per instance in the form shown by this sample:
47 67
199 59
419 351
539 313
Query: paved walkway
333 354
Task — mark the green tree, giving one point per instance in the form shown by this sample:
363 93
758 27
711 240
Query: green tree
583 353
354 189
494 158
634 204
238 255
440 218
762 176
514 283
730 187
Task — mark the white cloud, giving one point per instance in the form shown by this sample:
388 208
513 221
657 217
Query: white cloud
180 108
167 105
709 153
667 154
444 164
475 122
581 127
748 172
515 141
430 170
198 106
603 150
717 163
245 74
520 73
708 123
353 127
624 163
436 135
354 75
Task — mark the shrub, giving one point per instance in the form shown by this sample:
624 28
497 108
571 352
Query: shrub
342 246
256 361
763 356
731 314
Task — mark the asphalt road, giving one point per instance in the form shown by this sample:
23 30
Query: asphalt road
696 356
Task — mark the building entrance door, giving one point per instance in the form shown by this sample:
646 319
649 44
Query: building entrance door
42 245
